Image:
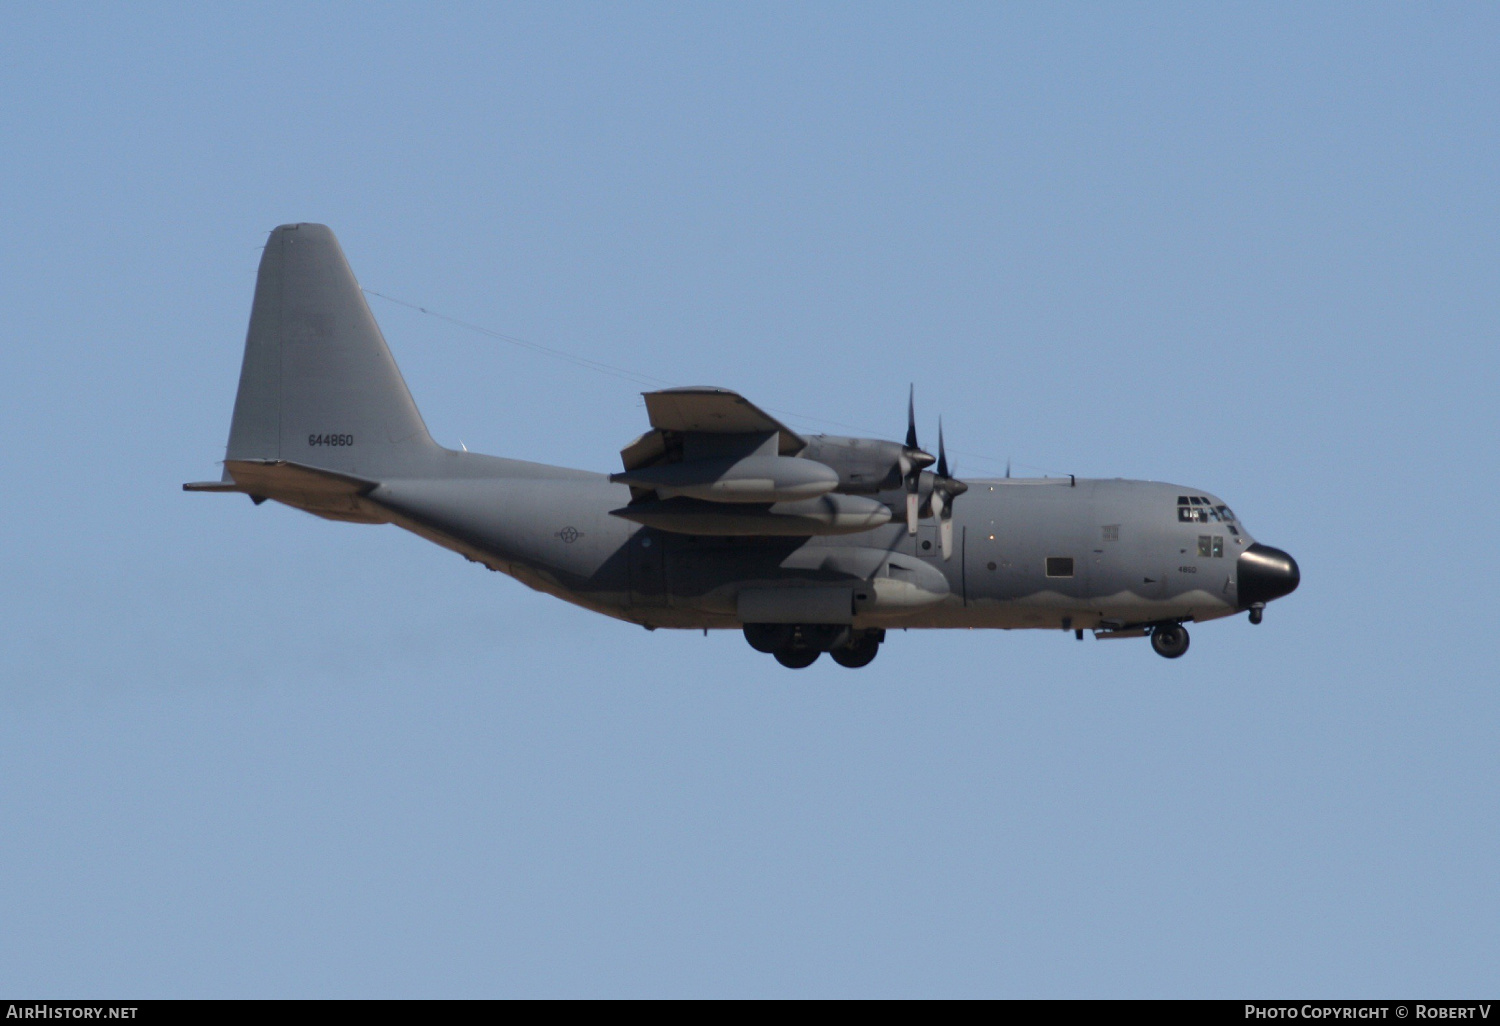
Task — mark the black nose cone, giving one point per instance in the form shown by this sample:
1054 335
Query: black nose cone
1264 574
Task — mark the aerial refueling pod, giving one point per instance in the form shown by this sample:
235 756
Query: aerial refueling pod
748 480
827 514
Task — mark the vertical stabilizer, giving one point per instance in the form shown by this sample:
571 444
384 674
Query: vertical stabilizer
319 385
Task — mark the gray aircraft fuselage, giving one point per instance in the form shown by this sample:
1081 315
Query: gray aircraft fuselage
324 423
1132 559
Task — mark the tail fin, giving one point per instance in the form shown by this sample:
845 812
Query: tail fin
319 386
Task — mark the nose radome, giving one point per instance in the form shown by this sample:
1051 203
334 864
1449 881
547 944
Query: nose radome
1264 574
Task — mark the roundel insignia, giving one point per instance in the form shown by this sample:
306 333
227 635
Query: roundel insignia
569 534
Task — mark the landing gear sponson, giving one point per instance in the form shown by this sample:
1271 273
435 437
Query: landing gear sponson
796 646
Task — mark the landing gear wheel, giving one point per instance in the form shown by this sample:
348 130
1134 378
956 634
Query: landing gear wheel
768 637
860 651
797 658
1170 640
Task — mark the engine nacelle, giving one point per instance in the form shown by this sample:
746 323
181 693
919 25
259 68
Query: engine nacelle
827 514
753 479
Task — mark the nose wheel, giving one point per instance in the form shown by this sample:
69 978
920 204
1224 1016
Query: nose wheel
1170 640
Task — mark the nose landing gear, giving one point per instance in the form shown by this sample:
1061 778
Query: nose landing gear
1170 640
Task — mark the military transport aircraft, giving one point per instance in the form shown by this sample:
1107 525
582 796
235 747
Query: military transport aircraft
723 517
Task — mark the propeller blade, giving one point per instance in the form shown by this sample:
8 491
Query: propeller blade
911 418
913 459
945 489
911 462
913 470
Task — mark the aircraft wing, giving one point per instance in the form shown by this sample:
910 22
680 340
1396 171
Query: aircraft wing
708 409
713 463
702 410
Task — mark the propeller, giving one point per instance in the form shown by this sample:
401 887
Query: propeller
945 489
911 462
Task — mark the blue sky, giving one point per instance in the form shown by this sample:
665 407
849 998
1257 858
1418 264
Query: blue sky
1248 248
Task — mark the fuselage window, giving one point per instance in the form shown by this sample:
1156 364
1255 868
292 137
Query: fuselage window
1211 546
1059 566
1226 514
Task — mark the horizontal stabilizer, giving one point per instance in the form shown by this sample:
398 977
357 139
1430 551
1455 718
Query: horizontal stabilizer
324 493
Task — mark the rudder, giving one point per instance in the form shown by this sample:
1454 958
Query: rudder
318 385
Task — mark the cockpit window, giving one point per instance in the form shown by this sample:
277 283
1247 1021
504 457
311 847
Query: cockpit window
1201 509
1190 509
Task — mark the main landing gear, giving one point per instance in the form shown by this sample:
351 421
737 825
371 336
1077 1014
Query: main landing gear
796 646
1169 639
